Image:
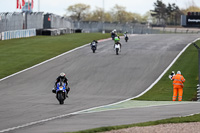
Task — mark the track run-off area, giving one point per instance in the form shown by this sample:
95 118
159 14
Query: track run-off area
102 85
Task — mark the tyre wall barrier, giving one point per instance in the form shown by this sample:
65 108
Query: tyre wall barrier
18 34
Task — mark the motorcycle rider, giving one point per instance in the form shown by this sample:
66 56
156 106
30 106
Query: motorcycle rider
94 42
125 34
117 42
117 38
113 34
62 78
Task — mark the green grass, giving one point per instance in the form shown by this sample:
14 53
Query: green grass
187 63
193 118
19 54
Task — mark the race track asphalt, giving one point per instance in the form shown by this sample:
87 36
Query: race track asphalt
95 79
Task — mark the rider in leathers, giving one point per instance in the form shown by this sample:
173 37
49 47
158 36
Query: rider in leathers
94 41
65 80
117 39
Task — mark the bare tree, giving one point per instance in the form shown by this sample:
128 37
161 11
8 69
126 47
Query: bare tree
78 11
117 14
191 7
160 12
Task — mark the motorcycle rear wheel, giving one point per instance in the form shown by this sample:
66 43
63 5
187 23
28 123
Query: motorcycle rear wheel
117 51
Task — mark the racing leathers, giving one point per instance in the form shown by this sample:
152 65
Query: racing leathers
94 42
63 79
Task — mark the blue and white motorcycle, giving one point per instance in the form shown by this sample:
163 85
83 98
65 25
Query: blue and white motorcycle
61 92
93 47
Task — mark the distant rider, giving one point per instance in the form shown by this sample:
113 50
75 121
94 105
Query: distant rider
94 42
62 78
125 34
117 42
113 34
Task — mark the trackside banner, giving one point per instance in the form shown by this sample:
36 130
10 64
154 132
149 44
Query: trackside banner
18 34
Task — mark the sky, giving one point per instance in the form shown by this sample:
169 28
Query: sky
59 6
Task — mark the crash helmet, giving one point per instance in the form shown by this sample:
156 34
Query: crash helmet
178 72
62 74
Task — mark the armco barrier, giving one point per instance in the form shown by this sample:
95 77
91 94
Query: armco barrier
18 34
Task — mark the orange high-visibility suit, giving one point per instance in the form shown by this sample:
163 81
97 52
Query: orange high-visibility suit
178 81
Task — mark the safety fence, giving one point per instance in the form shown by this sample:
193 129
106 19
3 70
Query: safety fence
132 28
175 30
60 22
34 20
18 34
19 21
11 21
12 24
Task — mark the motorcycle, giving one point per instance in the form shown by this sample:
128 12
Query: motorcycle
117 48
93 47
126 38
61 92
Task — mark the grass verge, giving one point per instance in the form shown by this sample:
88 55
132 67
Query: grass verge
19 54
187 63
193 118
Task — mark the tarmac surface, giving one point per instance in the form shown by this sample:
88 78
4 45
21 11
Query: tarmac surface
96 79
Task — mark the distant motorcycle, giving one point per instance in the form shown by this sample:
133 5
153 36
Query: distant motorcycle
117 48
126 38
61 92
93 47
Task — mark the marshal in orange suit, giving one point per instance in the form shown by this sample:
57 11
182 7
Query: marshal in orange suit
178 81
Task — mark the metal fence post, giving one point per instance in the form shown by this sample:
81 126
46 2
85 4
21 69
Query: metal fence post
198 93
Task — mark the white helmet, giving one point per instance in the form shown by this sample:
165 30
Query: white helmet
178 72
62 74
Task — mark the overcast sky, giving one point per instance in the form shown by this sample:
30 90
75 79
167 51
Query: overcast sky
59 6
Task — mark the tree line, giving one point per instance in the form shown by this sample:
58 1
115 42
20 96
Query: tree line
162 14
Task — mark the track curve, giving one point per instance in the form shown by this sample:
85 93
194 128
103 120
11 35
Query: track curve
95 78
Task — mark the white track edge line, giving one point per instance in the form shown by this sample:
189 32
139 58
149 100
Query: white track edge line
51 59
78 112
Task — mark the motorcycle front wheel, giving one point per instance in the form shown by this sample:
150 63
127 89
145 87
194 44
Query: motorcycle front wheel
61 98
